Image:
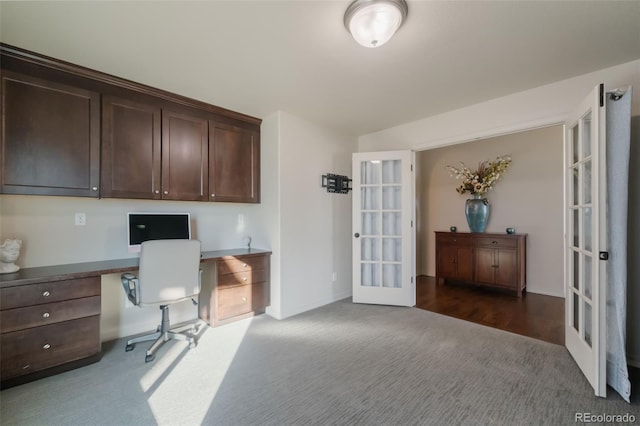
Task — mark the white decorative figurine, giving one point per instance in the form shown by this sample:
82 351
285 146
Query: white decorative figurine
9 252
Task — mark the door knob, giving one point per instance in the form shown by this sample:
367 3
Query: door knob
356 235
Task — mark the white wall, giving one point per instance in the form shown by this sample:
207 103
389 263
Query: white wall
315 225
539 107
528 198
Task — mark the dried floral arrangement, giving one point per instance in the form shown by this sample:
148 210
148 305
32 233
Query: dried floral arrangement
481 180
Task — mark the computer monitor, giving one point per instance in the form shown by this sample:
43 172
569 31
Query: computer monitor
142 227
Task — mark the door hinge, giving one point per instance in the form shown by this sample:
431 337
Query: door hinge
411 280
412 224
412 167
604 255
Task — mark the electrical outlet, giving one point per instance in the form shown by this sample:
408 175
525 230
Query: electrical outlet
81 219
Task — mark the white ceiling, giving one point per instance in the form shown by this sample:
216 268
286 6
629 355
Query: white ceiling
257 57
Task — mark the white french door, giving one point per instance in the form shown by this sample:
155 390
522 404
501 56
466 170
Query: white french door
383 235
586 238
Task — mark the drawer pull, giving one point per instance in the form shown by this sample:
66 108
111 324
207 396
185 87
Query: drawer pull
245 265
244 299
26 367
46 294
46 315
244 278
46 346
494 242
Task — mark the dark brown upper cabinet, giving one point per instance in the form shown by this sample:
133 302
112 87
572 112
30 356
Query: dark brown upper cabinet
234 164
131 149
152 153
184 157
70 130
50 138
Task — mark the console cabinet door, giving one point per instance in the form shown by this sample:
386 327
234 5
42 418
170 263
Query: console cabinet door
130 149
50 138
234 164
507 267
464 263
185 147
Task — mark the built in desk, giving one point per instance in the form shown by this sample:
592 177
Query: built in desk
50 315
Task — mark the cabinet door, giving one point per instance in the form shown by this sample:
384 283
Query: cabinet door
485 267
184 157
464 263
234 164
446 262
130 149
50 138
507 270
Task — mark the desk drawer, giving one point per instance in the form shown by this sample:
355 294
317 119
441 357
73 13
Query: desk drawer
240 300
241 278
55 291
497 242
243 264
48 313
38 348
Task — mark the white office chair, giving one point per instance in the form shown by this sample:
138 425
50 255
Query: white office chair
169 273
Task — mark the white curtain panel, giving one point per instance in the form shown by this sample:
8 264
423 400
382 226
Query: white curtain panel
618 144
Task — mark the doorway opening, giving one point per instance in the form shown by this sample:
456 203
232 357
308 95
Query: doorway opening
528 198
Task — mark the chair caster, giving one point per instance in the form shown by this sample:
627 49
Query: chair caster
129 348
149 358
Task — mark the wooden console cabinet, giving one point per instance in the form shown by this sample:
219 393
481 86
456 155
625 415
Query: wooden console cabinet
490 260
240 290
48 325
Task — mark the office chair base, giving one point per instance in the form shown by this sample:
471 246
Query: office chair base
163 335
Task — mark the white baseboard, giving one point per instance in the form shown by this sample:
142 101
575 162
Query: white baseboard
545 293
634 361
316 304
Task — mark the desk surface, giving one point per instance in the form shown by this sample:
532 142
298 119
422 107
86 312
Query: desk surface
92 269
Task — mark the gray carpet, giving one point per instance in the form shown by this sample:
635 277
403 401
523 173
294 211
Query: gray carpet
341 364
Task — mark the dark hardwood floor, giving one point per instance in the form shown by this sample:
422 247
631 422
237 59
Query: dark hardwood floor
533 315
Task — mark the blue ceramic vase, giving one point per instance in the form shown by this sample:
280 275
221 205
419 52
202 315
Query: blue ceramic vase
477 211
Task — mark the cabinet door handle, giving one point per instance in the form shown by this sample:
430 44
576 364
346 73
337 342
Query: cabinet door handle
166 192
157 191
245 265
46 346
213 195
244 299
46 315
494 242
46 294
244 278
95 188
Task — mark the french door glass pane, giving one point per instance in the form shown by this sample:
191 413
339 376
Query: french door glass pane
576 185
576 312
587 323
370 172
370 198
391 274
586 184
370 224
391 171
369 249
586 136
391 197
586 227
574 144
576 270
587 276
392 249
391 224
370 273
576 228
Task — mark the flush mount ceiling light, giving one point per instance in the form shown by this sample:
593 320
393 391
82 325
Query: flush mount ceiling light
373 22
